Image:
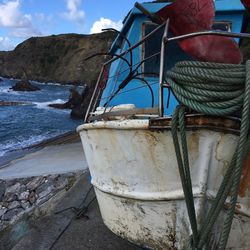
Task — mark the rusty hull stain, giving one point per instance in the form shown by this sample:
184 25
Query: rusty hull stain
193 142
245 178
164 243
195 121
144 236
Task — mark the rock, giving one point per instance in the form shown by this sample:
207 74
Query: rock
77 112
59 105
23 196
3 211
45 192
22 188
48 183
4 204
11 182
68 175
2 189
44 196
75 103
75 99
53 177
41 201
13 205
35 183
61 182
25 86
9 197
25 205
12 214
32 197
14 188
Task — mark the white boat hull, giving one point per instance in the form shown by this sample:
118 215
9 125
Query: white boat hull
136 179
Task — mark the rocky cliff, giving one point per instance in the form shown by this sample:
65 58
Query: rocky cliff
56 58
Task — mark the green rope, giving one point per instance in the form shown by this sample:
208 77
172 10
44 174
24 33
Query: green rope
183 164
211 89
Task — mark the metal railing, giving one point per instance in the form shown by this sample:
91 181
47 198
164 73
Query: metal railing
97 92
165 40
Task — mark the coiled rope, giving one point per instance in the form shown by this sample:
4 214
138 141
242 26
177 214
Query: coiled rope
218 90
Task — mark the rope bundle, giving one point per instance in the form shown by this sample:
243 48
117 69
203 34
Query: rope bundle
211 89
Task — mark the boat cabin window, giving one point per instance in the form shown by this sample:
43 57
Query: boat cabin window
222 25
174 53
150 47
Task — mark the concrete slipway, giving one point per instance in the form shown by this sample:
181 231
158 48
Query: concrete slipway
56 156
60 228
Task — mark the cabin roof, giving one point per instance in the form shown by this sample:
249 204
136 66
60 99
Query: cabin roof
155 6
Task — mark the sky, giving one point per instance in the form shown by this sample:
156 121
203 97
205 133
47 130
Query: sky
21 19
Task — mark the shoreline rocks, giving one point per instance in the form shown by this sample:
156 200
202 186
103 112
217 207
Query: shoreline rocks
59 59
77 103
59 105
20 197
24 86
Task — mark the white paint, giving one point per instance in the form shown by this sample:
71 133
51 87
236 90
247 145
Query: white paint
137 183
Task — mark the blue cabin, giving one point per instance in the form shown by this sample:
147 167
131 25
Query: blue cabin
229 17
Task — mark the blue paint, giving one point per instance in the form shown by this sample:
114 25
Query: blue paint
136 92
228 5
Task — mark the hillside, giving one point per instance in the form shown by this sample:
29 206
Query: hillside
56 58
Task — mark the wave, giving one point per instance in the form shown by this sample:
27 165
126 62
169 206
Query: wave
7 90
53 83
21 143
44 105
46 83
37 82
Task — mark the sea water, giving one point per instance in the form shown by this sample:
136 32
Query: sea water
24 125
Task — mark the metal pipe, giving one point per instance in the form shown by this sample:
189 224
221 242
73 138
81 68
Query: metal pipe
210 32
94 93
137 44
154 18
162 65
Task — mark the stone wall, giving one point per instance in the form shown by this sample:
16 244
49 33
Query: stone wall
21 197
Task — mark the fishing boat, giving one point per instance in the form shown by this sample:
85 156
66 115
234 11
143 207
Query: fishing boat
166 134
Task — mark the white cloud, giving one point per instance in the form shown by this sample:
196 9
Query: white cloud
25 32
5 44
73 11
12 18
105 23
41 17
10 15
